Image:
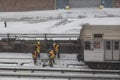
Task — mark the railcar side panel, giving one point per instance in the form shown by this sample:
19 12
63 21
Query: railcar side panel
108 50
95 52
116 50
101 46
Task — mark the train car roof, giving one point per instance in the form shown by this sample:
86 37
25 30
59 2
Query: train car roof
89 25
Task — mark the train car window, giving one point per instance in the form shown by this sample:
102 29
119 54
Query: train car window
96 44
108 46
87 45
98 35
116 45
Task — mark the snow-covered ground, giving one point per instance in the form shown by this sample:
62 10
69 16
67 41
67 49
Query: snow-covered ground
52 21
66 61
16 59
57 21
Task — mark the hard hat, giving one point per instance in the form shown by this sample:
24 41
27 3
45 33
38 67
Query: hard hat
38 42
54 43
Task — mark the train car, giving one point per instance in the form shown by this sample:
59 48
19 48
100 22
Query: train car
100 46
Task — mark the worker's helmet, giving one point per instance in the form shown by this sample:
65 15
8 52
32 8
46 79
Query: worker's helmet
38 42
54 43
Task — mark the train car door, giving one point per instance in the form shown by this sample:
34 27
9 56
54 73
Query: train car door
116 50
108 50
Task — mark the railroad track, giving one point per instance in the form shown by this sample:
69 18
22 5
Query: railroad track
68 73
25 60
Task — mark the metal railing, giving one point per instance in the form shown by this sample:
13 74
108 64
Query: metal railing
52 36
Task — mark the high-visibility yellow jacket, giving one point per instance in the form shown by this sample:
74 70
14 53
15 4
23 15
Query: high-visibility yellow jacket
52 54
37 48
34 54
56 47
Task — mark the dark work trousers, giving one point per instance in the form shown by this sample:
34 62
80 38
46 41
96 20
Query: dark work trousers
52 61
58 54
35 61
39 55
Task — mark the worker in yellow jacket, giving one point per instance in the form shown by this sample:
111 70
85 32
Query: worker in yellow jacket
51 55
56 48
37 48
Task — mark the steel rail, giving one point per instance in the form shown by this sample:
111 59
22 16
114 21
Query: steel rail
94 71
48 72
31 58
58 75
